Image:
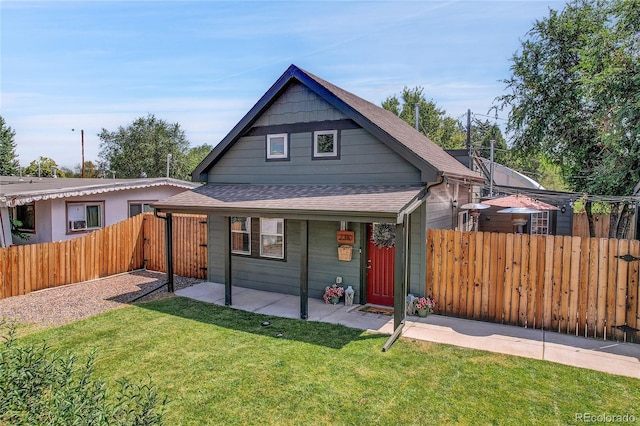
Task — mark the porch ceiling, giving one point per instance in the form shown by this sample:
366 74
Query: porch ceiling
356 203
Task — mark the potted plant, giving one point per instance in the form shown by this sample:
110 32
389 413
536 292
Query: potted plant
424 306
332 294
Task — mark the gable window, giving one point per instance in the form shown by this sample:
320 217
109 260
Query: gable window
84 216
241 235
325 144
135 208
272 238
278 147
26 215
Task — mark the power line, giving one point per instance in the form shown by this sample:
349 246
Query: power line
560 197
490 116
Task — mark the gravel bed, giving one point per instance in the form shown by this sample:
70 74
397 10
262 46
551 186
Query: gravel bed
69 303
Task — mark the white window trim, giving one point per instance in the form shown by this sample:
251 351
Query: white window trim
544 218
76 225
333 153
248 232
277 235
285 154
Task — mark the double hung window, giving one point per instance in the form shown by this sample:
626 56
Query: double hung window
241 235
272 238
265 233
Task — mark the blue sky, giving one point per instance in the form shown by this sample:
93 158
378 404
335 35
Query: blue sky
203 64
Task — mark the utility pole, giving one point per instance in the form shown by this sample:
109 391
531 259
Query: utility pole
417 112
491 170
82 139
82 165
469 139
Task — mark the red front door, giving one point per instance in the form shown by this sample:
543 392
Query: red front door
379 273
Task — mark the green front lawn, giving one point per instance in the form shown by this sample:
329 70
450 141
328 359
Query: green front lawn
221 366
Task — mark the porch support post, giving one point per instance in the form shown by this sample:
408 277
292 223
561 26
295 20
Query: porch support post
304 269
400 273
169 244
364 244
227 261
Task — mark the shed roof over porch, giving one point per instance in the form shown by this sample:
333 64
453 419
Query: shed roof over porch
356 203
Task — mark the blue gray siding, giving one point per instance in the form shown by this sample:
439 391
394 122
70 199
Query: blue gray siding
324 265
418 242
284 276
298 104
363 158
564 222
440 214
264 274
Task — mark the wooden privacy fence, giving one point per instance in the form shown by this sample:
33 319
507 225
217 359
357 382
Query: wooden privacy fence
125 246
111 250
567 284
581 225
189 245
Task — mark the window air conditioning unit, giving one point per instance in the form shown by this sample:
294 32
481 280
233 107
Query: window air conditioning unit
76 225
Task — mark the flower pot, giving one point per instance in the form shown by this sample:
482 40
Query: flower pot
335 300
422 313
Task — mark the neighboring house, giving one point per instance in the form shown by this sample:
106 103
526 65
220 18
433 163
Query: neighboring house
507 181
55 209
502 175
309 169
551 222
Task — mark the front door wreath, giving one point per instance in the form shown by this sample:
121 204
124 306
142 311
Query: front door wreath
383 235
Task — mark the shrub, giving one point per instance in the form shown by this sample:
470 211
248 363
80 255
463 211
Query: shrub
41 386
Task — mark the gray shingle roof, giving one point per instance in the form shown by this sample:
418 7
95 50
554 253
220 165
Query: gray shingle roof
399 130
330 200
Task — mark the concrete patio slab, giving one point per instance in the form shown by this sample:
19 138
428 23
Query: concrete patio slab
601 355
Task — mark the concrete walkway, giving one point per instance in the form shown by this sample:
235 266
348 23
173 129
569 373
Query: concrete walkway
601 355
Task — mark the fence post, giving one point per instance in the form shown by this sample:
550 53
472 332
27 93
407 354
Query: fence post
169 241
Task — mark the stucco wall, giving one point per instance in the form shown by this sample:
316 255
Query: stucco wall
51 215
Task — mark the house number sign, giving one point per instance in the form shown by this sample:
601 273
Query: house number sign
346 237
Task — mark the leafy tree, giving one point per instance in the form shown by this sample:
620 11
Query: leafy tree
196 155
15 230
90 170
142 148
482 133
433 123
43 167
8 158
67 172
573 98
